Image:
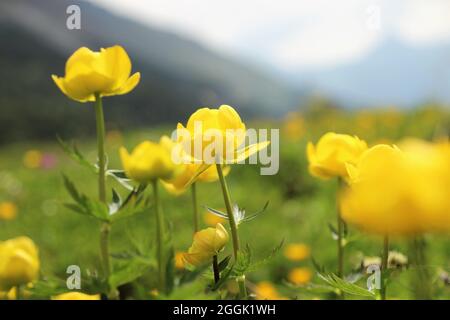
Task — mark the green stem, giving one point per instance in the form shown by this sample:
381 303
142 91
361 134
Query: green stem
106 227
18 293
100 147
159 239
195 207
215 265
233 226
242 287
422 278
227 200
340 244
384 267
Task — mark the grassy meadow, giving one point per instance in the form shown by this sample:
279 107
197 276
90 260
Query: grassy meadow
301 209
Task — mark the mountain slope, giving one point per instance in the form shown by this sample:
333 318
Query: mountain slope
178 75
394 73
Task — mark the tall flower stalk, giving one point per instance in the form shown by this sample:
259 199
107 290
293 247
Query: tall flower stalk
159 238
233 227
384 267
105 228
196 222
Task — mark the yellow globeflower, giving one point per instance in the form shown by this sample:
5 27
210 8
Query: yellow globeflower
32 159
207 243
329 157
76 296
216 133
400 191
211 219
265 290
300 276
19 262
8 210
106 73
179 184
150 161
297 251
179 261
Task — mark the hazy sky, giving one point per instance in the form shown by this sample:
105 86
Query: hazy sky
295 34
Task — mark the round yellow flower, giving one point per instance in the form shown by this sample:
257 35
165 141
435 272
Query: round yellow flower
179 261
297 251
76 296
178 185
329 157
106 73
149 161
32 159
265 290
299 276
8 210
399 191
211 219
207 243
19 262
212 134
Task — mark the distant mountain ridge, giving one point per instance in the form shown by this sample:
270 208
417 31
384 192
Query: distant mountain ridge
393 73
178 75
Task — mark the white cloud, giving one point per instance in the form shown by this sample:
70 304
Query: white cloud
294 33
425 21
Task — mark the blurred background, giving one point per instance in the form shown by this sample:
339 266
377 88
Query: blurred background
379 69
265 58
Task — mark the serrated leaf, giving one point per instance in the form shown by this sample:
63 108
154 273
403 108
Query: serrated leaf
76 155
224 263
254 266
85 205
225 275
127 271
254 215
120 177
347 287
333 231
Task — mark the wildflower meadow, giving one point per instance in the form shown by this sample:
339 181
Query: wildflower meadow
356 205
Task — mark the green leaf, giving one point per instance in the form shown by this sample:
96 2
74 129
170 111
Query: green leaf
120 177
224 263
347 287
257 264
128 270
254 215
85 205
225 275
76 155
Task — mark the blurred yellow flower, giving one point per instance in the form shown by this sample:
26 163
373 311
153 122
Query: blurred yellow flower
178 185
8 210
294 126
207 243
106 73
212 219
299 276
329 157
219 132
179 261
150 161
400 191
76 296
19 262
12 293
32 159
265 290
296 251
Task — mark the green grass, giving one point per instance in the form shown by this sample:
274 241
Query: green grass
300 210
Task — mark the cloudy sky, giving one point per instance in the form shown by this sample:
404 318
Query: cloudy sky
295 34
